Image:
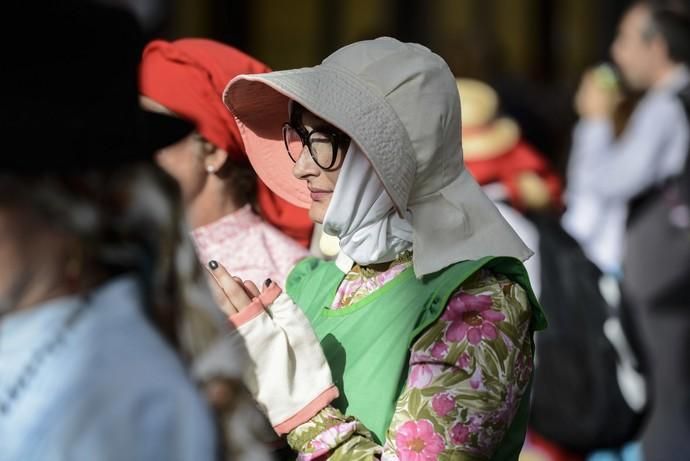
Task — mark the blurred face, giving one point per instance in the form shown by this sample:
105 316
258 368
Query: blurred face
320 180
184 161
635 52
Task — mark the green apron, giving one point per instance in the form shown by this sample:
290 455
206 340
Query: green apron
367 344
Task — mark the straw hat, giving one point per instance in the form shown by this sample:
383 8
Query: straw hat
484 135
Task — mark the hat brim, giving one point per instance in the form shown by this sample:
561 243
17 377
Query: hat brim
491 141
161 130
260 110
259 103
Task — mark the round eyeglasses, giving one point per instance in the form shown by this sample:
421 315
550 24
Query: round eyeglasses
323 145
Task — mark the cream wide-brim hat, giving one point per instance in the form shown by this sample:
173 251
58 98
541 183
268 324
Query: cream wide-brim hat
399 103
340 97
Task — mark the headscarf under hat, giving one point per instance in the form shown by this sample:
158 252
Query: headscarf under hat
362 215
188 76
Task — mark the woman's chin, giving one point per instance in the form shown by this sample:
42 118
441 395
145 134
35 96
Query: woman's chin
317 212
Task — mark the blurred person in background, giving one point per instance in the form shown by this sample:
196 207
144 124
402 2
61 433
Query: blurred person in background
235 219
88 294
608 173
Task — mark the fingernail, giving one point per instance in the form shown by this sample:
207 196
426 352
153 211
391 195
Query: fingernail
213 264
268 282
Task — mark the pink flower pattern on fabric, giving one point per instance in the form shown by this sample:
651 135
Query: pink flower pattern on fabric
459 434
418 441
464 361
471 317
439 350
421 376
327 439
356 285
443 404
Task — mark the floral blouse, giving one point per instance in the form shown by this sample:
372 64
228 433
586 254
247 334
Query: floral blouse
467 375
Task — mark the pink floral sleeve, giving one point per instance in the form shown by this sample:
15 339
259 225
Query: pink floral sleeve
467 375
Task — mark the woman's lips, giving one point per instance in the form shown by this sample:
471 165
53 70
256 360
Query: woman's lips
317 195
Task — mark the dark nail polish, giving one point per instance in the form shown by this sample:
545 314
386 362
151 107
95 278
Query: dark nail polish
268 282
213 264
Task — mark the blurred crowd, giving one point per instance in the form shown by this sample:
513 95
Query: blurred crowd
127 174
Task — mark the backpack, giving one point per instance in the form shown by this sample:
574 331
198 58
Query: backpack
577 399
657 255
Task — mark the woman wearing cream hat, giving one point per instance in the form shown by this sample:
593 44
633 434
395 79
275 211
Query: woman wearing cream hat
416 342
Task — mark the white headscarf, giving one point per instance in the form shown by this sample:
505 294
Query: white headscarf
362 215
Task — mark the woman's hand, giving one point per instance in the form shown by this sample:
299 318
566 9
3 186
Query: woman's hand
232 294
287 372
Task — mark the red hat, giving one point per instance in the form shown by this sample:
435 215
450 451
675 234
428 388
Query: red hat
188 77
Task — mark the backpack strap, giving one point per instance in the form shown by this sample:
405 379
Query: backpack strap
684 179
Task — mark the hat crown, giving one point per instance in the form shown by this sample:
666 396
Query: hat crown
479 103
486 135
421 90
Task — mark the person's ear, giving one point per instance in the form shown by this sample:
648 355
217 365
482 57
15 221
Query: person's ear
215 158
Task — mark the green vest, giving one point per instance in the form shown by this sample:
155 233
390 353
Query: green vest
367 344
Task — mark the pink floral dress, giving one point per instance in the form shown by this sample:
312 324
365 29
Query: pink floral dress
248 247
467 375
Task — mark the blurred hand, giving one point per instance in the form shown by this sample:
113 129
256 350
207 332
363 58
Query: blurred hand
222 393
595 98
534 191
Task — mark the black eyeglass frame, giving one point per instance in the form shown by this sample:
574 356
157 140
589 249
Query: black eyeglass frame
337 139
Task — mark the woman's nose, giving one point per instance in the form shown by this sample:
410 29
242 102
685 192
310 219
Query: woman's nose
305 166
